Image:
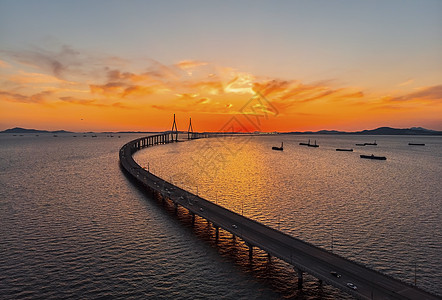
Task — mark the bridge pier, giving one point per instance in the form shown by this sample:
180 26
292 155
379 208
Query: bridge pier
250 251
300 277
216 233
176 208
193 219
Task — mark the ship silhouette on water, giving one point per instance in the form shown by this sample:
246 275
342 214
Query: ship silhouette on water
309 144
373 157
279 148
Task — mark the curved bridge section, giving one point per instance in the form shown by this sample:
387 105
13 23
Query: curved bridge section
351 277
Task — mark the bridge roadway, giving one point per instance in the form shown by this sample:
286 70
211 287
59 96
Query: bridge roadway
304 257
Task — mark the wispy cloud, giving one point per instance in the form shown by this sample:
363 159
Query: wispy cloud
25 77
92 102
431 93
57 63
40 97
190 64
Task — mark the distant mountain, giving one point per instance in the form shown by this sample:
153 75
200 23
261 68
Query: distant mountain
378 131
24 130
396 131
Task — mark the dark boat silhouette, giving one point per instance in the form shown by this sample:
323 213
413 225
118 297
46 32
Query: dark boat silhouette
313 145
416 144
373 157
279 148
371 144
305 144
309 145
341 149
360 144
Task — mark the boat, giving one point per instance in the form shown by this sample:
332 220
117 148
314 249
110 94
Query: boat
416 144
373 157
360 144
279 148
305 144
371 144
341 149
309 145
313 145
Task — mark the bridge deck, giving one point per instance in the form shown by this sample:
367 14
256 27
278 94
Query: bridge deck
303 256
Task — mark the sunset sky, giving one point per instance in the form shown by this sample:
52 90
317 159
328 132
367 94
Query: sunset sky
254 65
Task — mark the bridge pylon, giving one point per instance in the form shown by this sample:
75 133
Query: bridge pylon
174 130
190 130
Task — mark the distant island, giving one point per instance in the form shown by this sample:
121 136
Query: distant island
377 131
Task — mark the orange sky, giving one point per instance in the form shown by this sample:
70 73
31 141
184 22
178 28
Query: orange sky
35 95
286 66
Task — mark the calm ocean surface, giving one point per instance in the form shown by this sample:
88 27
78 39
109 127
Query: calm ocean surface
73 226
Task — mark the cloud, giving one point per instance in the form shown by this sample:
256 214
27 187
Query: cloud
322 95
431 93
110 88
187 96
209 87
242 83
202 101
358 94
92 102
272 87
162 72
55 62
40 97
25 77
189 64
74 100
122 90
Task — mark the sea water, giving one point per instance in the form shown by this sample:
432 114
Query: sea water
73 226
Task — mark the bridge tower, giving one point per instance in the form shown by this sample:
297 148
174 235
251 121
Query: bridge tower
174 130
190 130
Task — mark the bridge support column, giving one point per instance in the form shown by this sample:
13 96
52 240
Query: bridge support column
216 233
176 208
269 256
300 277
193 219
250 251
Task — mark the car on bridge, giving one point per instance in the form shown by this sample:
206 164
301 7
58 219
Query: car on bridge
336 274
351 285
234 226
